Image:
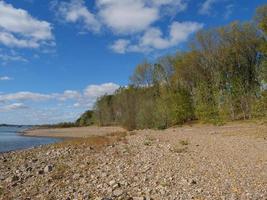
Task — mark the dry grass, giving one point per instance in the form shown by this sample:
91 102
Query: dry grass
179 149
260 131
149 140
1 191
59 172
147 143
77 132
93 141
184 142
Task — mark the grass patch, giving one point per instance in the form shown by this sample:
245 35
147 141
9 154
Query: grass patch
93 141
148 143
179 149
149 140
60 171
184 142
1 191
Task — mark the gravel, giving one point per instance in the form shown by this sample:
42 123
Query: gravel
227 162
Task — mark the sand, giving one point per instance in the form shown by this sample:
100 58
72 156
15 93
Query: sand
77 132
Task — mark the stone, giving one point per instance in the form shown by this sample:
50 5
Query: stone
111 183
15 178
48 168
40 172
117 192
12 179
29 169
76 176
138 198
193 182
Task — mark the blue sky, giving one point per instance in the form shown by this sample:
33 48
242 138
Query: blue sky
57 57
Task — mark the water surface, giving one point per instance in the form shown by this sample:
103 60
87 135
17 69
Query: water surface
10 139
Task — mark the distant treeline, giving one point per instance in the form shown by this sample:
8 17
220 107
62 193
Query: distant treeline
11 125
222 77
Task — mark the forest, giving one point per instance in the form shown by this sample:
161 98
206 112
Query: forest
222 76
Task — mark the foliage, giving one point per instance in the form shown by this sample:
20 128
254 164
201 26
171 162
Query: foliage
86 119
221 77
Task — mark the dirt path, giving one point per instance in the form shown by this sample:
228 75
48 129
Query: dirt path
199 162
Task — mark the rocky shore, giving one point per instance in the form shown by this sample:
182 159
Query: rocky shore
190 162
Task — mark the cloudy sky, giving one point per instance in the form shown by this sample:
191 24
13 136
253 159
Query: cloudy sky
57 57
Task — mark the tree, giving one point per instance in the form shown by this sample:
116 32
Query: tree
222 76
86 119
143 75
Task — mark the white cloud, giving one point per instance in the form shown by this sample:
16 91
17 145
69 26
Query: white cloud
153 38
76 11
13 106
10 40
127 16
206 6
133 16
19 29
5 78
94 91
121 16
5 58
24 96
85 98
68 94
120 46
228 11
65 106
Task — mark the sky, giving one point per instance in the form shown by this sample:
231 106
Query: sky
57 57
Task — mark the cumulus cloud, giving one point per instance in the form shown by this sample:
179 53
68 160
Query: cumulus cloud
121 16
153 38
76 11
135 18
65 106
127 16
19 29
84 98
94 91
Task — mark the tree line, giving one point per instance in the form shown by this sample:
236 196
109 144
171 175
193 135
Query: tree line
221 77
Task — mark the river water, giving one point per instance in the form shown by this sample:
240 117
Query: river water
10 139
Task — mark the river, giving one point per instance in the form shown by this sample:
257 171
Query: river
10 139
